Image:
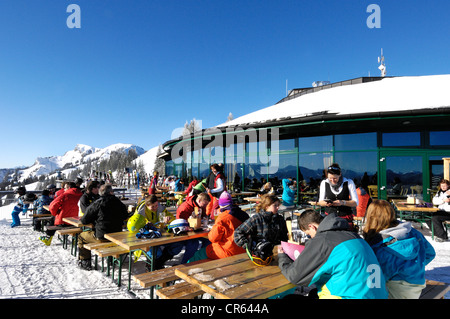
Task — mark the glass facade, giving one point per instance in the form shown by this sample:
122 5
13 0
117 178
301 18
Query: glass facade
362 156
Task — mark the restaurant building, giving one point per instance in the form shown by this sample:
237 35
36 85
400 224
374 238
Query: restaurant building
387 130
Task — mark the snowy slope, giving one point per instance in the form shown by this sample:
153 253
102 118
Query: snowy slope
73 158
148 159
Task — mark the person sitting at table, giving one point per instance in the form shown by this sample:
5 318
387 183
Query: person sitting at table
267 225
199 201
221 235
338 194
200 187
442 200
64 186
402 251
65 205
153 187
90 195
189 190
39 203
179 187
338 262
149 211
289 191
266 189
107 214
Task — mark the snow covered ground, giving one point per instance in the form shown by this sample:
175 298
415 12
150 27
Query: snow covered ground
31 270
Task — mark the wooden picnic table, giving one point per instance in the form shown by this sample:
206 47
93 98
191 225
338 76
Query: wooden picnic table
130 242
237 277
242 194
252 199
76 221
412 212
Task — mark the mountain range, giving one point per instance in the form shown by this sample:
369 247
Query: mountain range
76 159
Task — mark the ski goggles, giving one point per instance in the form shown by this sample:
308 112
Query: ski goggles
258 261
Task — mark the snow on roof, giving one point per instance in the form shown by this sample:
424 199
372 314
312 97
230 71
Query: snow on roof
386 95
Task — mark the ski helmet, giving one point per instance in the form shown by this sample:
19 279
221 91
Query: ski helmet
136 222
261 253
29 197
179 226
21 190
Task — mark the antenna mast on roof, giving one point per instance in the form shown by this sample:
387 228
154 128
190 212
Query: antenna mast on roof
382 66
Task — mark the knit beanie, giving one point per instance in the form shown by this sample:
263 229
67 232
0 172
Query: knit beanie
225 199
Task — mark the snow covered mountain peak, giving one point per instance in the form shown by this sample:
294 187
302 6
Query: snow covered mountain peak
74 158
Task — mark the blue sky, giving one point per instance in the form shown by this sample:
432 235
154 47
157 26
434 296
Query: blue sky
138 69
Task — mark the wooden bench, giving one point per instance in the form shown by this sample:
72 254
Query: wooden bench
182 290
114 254
163 276
434 290
42 219
93 246
65 233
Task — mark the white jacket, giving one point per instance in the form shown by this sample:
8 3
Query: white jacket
438 200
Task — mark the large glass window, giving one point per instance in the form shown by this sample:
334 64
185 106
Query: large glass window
284 146
350 142
404 175
440 138
169 168
311 168
283 166
233 173
255 173
401 139
358 166
315 144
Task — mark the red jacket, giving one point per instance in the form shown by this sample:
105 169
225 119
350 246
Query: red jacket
152 187
191 185
185 210
221 235
363 201
65 205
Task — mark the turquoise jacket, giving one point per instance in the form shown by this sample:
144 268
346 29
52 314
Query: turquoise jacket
403 253
288 196
338 262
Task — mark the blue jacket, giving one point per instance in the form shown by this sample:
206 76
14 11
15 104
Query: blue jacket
338 262
178 186
40 202
403 253
288 196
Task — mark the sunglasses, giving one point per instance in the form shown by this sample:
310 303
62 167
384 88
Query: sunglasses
334 170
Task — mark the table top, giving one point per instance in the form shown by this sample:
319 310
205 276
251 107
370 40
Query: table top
403 206
129 241
176 193
242 194
236 277
76 221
